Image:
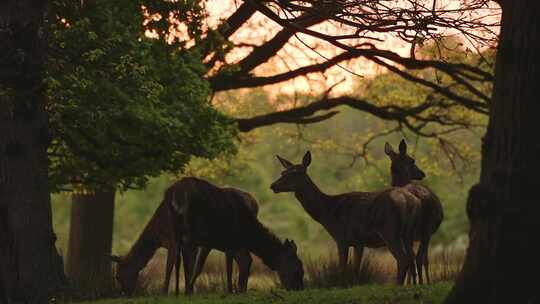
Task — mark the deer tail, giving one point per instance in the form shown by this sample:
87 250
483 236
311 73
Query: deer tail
410 216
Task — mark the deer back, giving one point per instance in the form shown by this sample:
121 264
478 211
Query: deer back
432 212
211 216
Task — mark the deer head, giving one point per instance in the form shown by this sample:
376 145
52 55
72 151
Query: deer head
290 269
403 166
292 176
126 277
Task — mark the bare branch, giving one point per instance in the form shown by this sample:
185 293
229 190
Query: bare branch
242 80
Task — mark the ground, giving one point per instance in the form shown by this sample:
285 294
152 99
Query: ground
373 294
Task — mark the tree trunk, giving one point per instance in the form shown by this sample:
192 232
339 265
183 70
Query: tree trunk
90 239
502 263
36 271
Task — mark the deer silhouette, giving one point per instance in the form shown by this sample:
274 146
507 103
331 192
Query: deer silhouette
209 216
404 170
159 232
242 257
356 219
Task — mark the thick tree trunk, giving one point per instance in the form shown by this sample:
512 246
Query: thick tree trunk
502 263
36 271
90 239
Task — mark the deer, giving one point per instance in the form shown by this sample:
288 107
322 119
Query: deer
356 219
404 171
242 257
159 232
208 216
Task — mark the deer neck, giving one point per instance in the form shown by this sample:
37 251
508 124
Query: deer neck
264 244
312 199
399 181
147 243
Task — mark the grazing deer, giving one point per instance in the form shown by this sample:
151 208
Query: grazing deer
242 257
159 232
357 219
404 171
209 216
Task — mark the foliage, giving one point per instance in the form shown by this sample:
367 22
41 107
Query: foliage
124 107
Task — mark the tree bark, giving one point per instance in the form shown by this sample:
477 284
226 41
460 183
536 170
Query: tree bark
90 239
36 272
502 263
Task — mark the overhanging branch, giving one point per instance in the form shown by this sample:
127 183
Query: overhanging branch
241 80
304 114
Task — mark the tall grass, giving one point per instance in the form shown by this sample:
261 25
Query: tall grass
327 273
377 267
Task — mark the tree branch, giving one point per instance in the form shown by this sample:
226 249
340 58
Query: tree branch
240 80
229 26
304 114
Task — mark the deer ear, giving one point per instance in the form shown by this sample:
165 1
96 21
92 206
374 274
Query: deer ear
293 246
285 163
306 160
114 258
388 150
403 147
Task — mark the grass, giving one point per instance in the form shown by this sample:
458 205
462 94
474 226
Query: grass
324 281
434 293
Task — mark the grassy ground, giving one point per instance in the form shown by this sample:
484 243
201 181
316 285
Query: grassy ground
374 294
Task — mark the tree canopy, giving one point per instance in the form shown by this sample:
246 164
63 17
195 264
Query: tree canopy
122 106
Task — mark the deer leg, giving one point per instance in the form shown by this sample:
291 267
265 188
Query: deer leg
395 246
228 266
425 261
168 268
422 259
343 255
358 252
189 253
420 262
177 259
200 255
408 245
244 260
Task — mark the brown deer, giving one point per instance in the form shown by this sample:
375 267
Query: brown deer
159 232
209 216
242 257
404 170
356 219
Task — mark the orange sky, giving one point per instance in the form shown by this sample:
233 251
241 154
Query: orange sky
295 54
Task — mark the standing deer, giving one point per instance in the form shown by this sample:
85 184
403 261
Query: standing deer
357 219
404 171
208 216
159 232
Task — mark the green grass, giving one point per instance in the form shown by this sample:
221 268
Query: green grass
374 294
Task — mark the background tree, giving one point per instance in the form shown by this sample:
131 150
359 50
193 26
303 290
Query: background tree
501 264
123 108
36 271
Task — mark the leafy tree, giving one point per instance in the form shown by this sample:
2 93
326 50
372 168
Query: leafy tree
123 107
